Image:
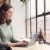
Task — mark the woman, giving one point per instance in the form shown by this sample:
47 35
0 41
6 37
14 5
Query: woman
6 35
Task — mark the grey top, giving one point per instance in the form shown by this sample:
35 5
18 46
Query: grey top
6 35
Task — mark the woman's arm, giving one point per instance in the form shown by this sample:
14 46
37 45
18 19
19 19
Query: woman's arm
18 43
2 44
13 40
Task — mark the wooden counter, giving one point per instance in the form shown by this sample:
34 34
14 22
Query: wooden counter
33 47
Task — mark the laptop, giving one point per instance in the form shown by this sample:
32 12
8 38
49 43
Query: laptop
34 39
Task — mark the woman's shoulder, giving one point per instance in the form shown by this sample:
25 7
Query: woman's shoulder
3 26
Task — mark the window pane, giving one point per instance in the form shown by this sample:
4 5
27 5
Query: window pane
28 9
32 8
40 24
33 25
48 28
40 6
47 5
28 28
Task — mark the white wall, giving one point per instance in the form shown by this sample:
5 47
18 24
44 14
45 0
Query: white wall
18 19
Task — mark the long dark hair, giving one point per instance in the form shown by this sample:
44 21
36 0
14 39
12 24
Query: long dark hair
3 8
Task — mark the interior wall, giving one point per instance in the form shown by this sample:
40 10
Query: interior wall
18 19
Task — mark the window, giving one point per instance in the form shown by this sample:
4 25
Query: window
40 17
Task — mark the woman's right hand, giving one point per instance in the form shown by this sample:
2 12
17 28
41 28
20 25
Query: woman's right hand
21 44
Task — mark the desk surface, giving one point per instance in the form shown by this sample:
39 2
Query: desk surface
33 47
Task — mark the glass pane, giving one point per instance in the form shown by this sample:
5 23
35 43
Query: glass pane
40 24
28 9
47 5
32 8
40 6
33 25
48 28
28 28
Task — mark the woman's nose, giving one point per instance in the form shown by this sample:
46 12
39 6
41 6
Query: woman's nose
11 15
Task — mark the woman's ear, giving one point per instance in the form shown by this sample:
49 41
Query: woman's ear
3 11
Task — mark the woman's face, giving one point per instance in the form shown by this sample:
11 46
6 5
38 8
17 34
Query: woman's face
8 13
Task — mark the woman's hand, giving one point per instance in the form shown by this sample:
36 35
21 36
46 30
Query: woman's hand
22 44
25 42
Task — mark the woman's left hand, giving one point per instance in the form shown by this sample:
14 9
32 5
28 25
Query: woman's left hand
26 42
